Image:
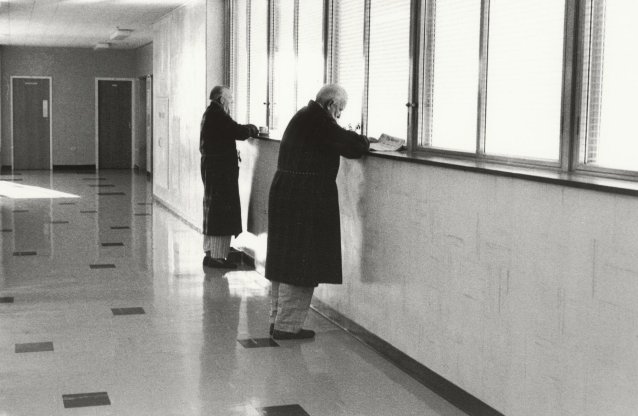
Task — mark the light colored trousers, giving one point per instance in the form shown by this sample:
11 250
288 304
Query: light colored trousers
218 245
289 306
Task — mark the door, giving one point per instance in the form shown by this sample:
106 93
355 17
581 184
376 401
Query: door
149 124
114 124
31 123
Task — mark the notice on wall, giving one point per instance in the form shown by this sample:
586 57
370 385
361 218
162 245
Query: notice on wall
45 108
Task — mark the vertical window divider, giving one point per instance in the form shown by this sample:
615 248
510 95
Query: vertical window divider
328 41
229 39
271 69
413 93
571 77
482 88
248 57
426 74
366 54
296 50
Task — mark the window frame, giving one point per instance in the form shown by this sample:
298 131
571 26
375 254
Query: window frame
572 134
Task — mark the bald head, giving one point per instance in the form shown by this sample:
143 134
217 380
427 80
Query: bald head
222 95
333 98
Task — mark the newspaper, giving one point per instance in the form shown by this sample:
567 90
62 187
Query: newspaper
387 143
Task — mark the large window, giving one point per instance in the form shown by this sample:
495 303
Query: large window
611 101
277 58
548 83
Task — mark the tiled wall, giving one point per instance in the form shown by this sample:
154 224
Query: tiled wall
522 293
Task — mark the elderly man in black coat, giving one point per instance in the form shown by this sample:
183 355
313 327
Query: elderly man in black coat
220 171
304 236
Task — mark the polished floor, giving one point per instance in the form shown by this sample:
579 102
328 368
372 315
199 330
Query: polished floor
105 309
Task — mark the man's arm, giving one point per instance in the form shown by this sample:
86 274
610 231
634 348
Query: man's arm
347 143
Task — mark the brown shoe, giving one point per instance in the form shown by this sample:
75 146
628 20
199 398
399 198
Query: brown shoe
302 334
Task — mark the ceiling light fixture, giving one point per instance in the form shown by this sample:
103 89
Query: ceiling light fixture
120 34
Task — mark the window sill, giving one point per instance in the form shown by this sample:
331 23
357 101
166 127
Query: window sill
574 180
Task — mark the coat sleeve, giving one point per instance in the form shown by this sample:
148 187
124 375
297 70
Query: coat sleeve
239 131
345 142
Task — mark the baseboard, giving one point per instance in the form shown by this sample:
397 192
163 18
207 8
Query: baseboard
433 381
74 168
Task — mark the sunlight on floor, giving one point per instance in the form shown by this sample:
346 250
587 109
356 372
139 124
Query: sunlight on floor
18 191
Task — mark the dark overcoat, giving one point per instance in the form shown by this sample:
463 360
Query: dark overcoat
220 170
304 235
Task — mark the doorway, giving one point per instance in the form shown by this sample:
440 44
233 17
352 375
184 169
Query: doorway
114 123
31 122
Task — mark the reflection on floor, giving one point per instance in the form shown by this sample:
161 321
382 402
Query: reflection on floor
105 310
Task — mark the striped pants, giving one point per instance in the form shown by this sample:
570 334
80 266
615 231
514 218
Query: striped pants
218 245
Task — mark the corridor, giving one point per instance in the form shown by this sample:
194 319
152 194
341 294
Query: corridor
105 309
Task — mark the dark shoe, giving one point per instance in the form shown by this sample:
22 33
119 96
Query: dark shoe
302 334
219 263
272 329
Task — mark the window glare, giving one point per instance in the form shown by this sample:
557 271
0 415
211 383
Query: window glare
454 76
524 78
389 67
617 142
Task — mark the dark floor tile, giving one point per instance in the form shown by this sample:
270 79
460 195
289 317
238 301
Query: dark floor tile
142 214
6 299
20 210
286 410
144 203
34 347
257 342
120 227
11 179
93 179
112 244
7 230
128 311
103 266
111 193
86 400
89 212
102 185
25 253
59 222
67 203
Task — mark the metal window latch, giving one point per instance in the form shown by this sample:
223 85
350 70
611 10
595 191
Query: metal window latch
410 105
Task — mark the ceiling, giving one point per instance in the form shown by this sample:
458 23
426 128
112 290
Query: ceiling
80 23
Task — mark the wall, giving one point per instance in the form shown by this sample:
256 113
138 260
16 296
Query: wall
143 70
521 293
144 60
74 71
180 98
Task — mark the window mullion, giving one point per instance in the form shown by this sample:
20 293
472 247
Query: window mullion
571 75
413 93
366 55
482 88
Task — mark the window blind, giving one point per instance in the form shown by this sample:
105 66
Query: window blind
349 58
284 64
310 60
450 94
524 78
389 67
258 62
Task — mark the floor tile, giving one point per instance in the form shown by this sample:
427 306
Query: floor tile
67 203
257 342
59 222
34 347
6 230
92 211
20 211
120 227
6 299
286 410
128 311
86 400
102 266
111 193
25 253
102 186
112 244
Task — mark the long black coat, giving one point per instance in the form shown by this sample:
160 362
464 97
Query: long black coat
304 235
220 170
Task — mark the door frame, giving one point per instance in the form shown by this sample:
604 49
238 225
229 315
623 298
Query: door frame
50 116
97 118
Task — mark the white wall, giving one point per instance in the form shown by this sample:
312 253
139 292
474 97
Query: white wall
180 98
521 293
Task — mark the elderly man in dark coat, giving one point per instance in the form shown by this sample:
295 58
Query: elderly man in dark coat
304 236
220 171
